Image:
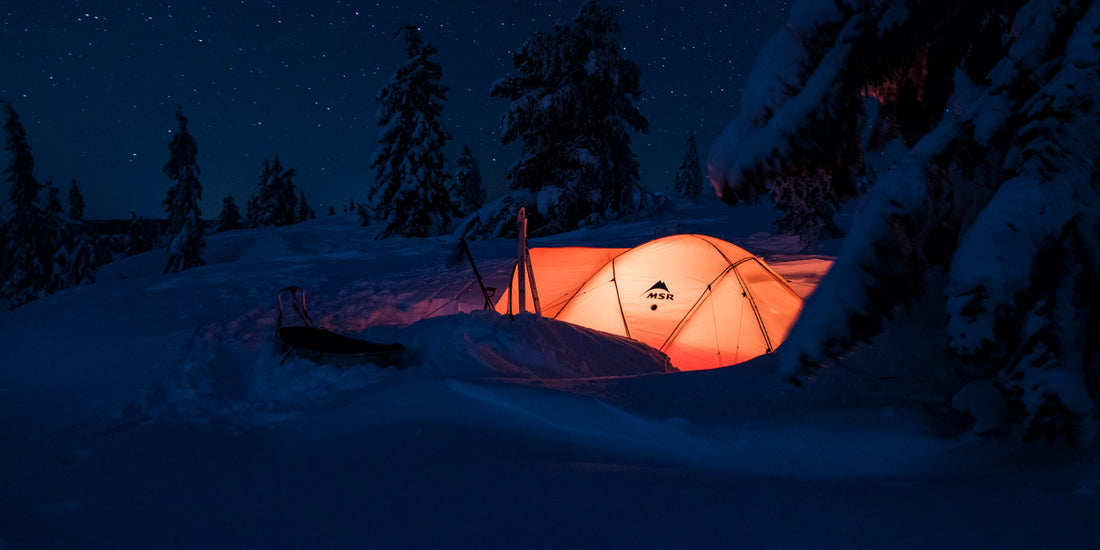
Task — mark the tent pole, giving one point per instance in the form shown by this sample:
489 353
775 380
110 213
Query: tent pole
521 276
531 274
480 282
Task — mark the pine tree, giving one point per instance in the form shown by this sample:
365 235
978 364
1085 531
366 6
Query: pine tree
277 198
140 236
331 210
186 233
305 213
809 203
689 177
230 217
466 192
573 108
409 196
74 257
76 202
991 213
26 249
252 212
266 194
56 229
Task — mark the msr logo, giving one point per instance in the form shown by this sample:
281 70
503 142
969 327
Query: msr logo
659 291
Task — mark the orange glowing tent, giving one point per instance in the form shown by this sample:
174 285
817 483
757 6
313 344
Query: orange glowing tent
704 302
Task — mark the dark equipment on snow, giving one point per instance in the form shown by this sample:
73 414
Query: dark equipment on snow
324 345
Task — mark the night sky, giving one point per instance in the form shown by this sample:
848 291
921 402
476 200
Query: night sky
96 83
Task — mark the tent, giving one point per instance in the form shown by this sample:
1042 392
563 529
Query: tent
703 301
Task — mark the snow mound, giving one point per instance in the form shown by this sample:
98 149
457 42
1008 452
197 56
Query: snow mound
218 383
487 344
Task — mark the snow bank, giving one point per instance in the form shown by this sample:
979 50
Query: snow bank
487 344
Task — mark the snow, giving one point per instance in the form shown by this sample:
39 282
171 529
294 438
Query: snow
151 410
751 138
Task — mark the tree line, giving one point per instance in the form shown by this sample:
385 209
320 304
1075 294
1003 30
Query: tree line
572 109
45 249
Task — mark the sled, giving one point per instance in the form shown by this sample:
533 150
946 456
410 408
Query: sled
321 345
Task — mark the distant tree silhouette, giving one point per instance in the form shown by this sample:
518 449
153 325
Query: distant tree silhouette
689 177
76 202
74 258
252 212
304 211
140 236
230 217
466 192
277 197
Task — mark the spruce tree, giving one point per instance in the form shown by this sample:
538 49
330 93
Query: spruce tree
277 198
76 202
185 229
466 192
74 256
305 213
409 196
56 227
27 250
689 177
809 204
81 261
140 236
990 214
230 217
252 212
573 108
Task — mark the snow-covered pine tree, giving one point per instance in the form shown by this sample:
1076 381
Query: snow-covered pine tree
466 192
409 196
82 261
26 249
186 235
997 194
689 177
263 214
140 236
304 211
286 211
252 212
809 204
230 217
56 227
277 198
74 257
76 202
573 108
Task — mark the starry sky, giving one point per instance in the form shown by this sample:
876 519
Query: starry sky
96 84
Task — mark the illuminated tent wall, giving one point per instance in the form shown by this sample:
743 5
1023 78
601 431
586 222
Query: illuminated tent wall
704 302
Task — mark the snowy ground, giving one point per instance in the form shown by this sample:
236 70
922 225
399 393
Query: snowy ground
150 411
